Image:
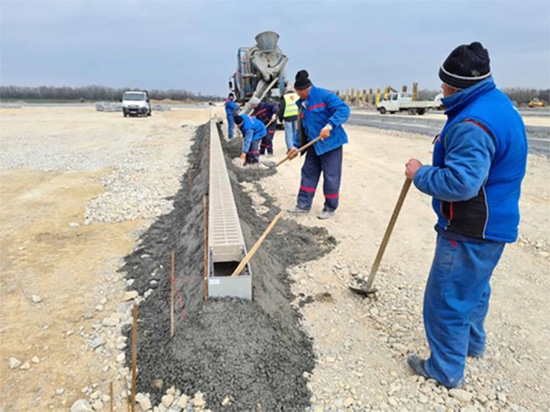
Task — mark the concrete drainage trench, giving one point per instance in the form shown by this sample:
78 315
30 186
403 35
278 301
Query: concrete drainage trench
253 353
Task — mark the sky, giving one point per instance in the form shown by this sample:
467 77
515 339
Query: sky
192 45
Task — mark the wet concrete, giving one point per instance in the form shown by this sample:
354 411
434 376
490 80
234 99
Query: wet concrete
253 352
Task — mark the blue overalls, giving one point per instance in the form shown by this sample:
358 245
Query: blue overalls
265 112
231 109
322 108
479 162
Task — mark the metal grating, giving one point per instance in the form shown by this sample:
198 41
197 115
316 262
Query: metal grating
225 239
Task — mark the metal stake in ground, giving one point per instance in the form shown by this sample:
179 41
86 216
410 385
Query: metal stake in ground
252 251
367 289
134 358
205 241
172 282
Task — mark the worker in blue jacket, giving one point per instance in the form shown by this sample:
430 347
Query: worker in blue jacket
266 112
231 109
253 131
322 113
479 161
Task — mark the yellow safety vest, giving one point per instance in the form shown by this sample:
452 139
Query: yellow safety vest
291 109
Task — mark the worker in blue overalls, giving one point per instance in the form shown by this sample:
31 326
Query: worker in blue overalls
231 109
479 161
322 113
253 131
267 113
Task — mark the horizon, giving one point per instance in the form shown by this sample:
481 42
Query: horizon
149 45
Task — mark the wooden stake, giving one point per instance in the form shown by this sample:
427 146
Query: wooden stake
134 358
111 396
126 392
172 282
252 251
205 242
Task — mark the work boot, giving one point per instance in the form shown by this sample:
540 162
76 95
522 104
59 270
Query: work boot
417 365
296 210
325 214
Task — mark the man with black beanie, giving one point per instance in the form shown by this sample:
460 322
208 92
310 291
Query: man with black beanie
321 113
479 161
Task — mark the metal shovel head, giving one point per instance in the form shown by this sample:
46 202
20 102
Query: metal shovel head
269 164
363 291
359 287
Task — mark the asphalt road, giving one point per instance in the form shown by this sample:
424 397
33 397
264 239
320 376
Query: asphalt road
538 136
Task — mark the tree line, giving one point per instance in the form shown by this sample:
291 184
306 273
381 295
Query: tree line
520 96
94 93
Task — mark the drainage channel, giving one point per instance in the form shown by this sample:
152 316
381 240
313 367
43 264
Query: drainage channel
243 354
226 247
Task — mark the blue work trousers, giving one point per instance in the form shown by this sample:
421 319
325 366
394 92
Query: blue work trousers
267 141
253 154
290 131
330 164
456 302
230 126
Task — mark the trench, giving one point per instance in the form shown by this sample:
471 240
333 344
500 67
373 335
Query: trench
253 352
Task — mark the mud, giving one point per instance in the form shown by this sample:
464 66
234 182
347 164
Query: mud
254 352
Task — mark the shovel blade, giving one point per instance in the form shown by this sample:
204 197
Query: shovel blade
362 291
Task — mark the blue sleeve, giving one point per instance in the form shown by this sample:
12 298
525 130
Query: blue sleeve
468 154
338 107
296 142
248 136
235 106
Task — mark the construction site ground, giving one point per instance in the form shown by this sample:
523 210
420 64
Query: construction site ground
64 235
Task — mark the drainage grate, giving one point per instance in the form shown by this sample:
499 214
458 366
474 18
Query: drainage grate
225 239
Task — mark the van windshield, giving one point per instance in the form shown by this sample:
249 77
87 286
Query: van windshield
133 96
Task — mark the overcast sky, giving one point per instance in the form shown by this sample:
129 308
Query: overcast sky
192 45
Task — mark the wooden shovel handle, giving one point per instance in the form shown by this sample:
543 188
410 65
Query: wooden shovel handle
389 229
301 149
252 251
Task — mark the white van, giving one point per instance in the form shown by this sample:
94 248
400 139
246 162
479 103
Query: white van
136 103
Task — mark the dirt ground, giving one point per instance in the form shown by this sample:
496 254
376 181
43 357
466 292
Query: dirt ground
70 266
47 251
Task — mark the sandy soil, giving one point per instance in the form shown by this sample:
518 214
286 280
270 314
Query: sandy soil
71 267
372 178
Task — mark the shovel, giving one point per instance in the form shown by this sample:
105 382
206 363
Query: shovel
300 150
365 288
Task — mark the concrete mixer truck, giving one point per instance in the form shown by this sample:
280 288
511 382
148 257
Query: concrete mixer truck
260 72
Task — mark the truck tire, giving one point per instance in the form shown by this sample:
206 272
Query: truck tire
149 113
124 113
421 111
392 112
382 110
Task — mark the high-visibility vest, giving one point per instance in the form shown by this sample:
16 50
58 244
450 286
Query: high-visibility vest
291 109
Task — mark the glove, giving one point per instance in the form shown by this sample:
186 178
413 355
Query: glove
242 156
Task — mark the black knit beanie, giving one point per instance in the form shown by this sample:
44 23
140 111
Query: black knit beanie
466 66
302 80
238 119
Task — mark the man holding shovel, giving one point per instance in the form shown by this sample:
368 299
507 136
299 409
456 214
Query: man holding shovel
322 114
266 112
479 161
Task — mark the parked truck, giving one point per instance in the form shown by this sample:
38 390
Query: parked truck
260 72
403 102
136 103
